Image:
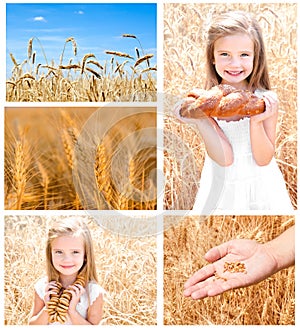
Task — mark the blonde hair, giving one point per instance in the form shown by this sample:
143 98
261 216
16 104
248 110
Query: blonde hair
72 226
232 23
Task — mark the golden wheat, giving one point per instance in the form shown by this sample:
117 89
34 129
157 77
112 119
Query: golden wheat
51 81
42 177
142 59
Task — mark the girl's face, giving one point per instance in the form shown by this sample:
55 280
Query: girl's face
233 59
68 254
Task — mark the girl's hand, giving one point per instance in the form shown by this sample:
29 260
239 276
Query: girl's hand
49 290
212 279
186 102
181 104
271 102
76 291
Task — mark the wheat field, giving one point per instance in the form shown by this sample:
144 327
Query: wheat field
126 269
185 26
125 77
270 302
61 158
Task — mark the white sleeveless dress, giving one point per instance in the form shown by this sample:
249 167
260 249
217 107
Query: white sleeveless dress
86 300
243 186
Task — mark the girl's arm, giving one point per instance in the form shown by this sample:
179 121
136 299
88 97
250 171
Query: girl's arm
216 143
94 313
39 312
263 131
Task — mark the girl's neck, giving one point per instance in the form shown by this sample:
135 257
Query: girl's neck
241 86
66 281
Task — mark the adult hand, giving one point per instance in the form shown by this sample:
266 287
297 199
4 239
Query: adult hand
211 280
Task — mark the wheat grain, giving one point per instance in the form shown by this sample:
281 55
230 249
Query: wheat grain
95 63
74 45
142 59
13 59
73 66
137 53
84 59
93 72
117 53
29 48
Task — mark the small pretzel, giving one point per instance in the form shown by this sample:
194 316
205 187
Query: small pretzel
59 302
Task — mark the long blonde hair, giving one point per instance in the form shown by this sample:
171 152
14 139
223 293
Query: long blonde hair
72 226
232 23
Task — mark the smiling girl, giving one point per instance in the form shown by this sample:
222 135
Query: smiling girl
70 293
240 172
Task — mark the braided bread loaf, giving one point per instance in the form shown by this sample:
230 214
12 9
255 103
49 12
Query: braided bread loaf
59 302
221 101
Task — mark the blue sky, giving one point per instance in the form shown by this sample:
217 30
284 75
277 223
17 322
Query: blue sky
95 28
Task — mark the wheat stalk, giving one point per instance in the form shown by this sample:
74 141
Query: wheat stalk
44 182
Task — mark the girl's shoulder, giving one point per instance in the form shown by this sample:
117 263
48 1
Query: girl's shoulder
40 285
261 92
94 290
41 281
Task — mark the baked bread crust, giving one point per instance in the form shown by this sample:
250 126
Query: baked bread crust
221 101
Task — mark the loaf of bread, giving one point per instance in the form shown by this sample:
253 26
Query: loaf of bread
221 101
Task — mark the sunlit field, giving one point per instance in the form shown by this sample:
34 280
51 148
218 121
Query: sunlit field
124 77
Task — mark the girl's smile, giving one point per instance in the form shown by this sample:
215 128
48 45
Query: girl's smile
67 266
233 59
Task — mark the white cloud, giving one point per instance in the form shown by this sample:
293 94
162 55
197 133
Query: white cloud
39 19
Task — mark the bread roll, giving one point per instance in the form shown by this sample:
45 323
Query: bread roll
221 101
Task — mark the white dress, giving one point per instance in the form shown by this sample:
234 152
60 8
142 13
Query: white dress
86 300
244 185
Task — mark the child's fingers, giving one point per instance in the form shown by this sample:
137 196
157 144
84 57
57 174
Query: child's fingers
195 93
77 290
271 101
50 286
271 95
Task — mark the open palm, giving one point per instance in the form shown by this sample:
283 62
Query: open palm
212 280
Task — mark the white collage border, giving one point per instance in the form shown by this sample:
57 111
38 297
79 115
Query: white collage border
160 210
